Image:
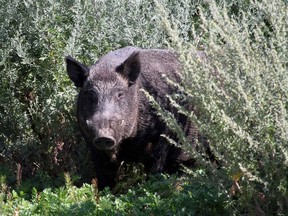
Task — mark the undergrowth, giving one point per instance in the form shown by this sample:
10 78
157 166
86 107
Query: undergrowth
159 195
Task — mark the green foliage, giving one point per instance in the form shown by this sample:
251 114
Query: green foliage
159 195
238 87
239 92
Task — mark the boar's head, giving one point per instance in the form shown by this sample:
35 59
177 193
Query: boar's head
107 106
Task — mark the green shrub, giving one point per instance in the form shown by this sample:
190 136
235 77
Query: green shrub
159 195
240 94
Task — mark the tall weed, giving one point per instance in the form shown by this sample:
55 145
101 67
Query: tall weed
238 86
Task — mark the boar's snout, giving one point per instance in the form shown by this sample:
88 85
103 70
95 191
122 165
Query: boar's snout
104 131
104 143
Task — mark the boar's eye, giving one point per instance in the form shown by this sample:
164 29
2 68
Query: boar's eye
120 94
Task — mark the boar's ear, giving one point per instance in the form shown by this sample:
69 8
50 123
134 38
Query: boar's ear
77 72
130 68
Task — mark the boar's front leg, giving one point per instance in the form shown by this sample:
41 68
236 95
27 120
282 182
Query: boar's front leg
106 171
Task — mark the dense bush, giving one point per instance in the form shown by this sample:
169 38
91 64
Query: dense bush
239 87
239 92
158 196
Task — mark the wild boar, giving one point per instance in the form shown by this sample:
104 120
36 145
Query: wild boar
116 119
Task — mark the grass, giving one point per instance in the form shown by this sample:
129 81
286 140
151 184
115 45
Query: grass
159 195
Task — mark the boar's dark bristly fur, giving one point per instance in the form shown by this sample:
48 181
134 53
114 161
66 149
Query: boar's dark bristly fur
116 119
